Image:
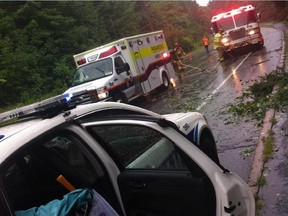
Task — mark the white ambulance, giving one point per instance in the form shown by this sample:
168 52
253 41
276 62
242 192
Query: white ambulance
124 69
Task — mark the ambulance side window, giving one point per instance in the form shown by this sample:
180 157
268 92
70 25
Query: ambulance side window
119 65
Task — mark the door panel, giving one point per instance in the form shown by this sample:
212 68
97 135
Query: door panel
163 193
124 76
157 178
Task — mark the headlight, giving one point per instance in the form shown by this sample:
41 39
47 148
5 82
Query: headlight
251 32
102 93
224 40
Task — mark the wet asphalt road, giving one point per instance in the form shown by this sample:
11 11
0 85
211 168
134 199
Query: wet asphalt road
211 88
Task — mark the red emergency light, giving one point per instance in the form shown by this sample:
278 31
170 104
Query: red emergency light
165 55
231 11
108 52
81 61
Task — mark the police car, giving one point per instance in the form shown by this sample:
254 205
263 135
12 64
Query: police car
140 162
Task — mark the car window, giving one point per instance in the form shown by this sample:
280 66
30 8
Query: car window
46 171
67 149
118 62
139 147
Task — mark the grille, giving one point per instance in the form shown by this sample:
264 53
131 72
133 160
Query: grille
237 34
84 97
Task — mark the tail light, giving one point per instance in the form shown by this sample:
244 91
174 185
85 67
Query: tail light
166 55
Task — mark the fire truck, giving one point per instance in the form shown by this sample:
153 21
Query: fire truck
124 69
241 28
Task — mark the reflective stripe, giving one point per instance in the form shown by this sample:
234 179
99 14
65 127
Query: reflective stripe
217 40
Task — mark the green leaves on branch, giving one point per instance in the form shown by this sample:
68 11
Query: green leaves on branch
260 96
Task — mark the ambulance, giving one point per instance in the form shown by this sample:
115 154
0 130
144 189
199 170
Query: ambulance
123 70
241 28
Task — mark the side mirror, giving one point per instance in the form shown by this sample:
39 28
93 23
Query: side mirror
126 67
123 68
258 17
68 82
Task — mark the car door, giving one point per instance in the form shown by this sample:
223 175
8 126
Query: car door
126 76
156 176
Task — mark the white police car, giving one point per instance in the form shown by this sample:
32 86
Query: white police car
142 163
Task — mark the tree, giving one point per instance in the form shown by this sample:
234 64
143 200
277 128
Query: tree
38 41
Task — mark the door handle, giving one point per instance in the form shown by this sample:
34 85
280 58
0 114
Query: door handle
138 185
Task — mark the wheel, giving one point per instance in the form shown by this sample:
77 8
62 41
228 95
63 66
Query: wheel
260 45
208 146
120 98
165 80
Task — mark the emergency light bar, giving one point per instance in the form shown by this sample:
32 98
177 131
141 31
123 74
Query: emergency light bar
110 51
51 107
81 61
232 12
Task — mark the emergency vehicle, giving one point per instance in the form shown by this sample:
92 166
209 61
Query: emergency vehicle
124 69
241 28
140 162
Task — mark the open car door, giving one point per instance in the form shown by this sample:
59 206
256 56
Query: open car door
157 178
163 173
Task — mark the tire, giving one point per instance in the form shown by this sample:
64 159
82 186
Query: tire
120 98
260 45
208 146
165 81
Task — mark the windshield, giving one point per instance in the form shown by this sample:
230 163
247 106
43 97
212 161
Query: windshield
225 23
93 71
245 18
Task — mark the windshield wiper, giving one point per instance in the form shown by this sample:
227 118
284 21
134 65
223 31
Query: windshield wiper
100 70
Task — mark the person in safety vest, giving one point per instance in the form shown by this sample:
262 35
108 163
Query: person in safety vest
206 43
218 45
178 58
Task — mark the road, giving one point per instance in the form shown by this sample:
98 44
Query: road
211 88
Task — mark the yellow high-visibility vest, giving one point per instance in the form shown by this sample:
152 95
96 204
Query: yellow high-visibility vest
216 40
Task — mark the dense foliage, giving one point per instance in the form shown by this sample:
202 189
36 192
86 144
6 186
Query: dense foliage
262 96
38 38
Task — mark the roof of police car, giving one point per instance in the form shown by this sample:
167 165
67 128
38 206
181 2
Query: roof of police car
14 136
27 123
